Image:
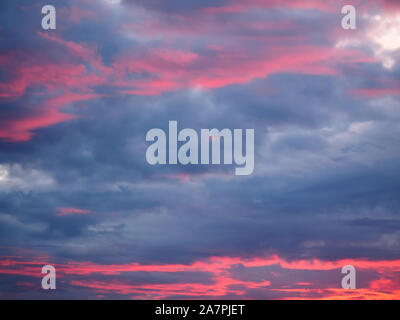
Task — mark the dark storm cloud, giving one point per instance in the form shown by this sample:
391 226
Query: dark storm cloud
103 169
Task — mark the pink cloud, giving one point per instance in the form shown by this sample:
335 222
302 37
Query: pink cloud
57 83
77 14
383 286
154 71
376 92
63 211
226 67
21 129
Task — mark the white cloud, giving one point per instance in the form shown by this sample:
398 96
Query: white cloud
382 36
15 177
384 32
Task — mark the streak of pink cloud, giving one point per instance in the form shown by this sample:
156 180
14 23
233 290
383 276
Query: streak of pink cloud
383 286
63 211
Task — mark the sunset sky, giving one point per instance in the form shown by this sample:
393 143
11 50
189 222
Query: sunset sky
77 193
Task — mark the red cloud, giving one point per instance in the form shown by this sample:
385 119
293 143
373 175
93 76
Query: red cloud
64 83
240 58
225 282
226 67
67 211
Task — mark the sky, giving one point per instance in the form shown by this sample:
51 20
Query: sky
77 193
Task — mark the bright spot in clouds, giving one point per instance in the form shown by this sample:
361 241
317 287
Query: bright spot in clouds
387 33
3 173
382 37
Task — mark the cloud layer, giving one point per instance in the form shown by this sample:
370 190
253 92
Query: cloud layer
76 190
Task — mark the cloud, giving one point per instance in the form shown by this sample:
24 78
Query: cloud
76 104
220 277
15 177
62 211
